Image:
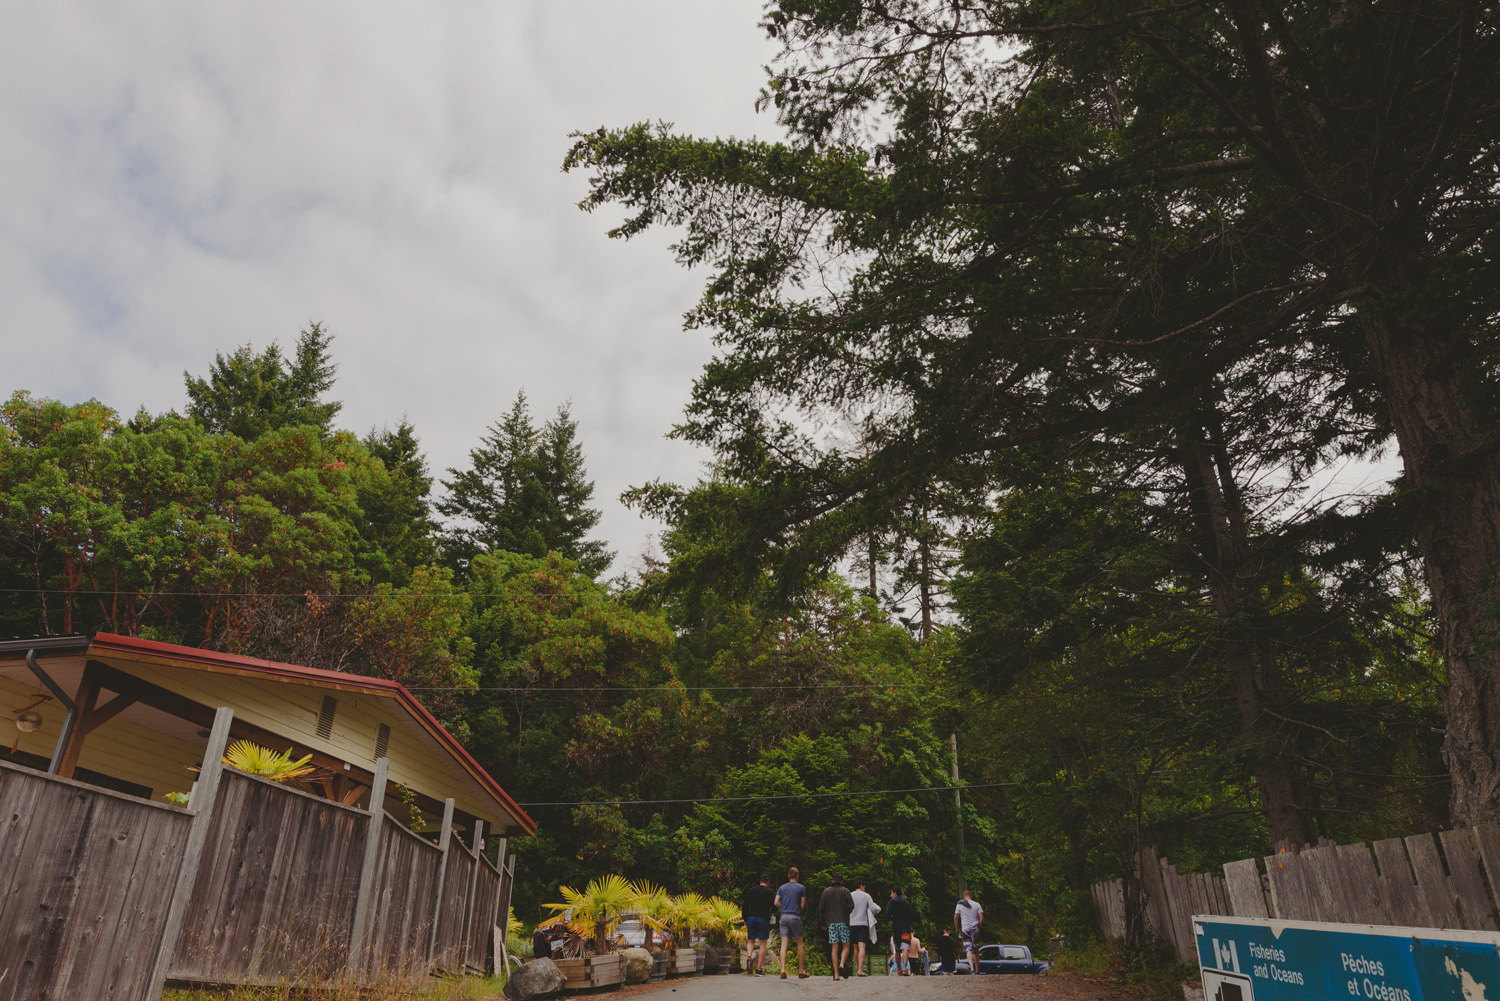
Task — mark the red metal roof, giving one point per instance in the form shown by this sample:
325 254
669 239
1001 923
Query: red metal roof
233 663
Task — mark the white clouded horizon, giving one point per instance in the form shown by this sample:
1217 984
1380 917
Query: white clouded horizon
184 180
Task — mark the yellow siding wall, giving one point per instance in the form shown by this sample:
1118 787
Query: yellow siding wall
292 709
119 748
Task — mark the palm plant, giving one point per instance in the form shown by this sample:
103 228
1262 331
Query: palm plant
686 914
651 906
725 924
596 912
277 766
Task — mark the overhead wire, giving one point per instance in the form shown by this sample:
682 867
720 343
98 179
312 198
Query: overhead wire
780 796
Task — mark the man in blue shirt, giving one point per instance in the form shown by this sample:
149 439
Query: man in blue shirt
792 900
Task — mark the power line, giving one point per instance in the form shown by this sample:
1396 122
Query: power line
761 799
78 592
669 688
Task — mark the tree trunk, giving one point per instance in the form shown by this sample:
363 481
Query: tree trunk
924 585
1453 479
1224 548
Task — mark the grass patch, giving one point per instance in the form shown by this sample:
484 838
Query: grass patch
1153 972
445 989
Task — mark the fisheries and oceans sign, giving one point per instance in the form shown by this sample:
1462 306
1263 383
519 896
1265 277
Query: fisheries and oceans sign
1255 959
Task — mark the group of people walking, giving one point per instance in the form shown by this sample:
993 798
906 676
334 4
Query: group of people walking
848 918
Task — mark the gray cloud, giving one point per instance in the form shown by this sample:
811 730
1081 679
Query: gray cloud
187 178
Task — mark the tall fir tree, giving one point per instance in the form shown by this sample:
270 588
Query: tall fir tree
525 491
248 394
398 510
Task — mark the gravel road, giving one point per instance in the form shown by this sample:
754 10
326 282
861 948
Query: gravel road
738 987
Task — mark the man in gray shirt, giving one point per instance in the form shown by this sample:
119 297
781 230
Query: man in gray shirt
792 900
834 908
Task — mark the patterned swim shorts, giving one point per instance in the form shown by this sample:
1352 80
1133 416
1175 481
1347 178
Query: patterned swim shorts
838 932
970 939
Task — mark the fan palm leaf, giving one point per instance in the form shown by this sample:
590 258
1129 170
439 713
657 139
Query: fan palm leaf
594 912
277 766
726 923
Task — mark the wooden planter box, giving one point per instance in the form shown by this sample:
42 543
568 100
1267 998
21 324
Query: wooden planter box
595 971
660 963
689 962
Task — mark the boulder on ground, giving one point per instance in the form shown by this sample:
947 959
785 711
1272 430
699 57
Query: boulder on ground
536 979
637 966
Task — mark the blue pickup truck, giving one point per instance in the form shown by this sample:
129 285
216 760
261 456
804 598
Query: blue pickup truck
1005 959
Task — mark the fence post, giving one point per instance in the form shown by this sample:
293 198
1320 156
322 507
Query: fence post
507 886
499 885
444 840
201 805
367 866
477 851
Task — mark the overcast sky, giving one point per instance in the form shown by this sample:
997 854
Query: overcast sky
180 179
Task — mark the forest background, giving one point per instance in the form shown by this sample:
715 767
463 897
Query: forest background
1045 339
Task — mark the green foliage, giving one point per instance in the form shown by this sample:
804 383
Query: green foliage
417 634
1153 970
398 511
1014 247
524 492
249 394
278 766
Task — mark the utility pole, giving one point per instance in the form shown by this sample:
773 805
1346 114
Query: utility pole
958 803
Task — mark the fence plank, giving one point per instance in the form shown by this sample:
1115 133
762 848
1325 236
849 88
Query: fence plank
1366 901
1476 909
1322 875
367 867
200 803
1247 898
445 838
449 953
1288 894
1432 882
1399 890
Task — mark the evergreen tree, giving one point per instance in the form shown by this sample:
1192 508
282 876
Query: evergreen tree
524 492
248 394
1006 222
398 510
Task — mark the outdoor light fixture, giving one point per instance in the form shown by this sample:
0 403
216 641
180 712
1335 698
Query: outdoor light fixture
29 721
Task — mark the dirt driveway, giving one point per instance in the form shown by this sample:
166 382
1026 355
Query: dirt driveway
738 987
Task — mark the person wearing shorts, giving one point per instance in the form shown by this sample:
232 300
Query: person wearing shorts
756 905
791 900
903 915
862 925
967 917
834 909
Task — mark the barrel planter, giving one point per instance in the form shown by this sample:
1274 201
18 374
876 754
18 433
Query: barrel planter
661 959
593 971
689 962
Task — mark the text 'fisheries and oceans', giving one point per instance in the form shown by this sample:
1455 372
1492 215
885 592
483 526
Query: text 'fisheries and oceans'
1269 971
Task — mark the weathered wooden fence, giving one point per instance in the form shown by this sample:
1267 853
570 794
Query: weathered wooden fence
1168 900
107 895
85 884
1448 881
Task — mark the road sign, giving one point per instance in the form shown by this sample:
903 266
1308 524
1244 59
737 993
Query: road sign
1255 959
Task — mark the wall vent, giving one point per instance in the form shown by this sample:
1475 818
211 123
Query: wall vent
325 716
382 741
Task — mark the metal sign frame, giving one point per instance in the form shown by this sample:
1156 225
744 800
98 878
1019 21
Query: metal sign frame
1260 959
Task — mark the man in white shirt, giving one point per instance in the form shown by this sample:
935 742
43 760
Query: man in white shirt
862 925
967 917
